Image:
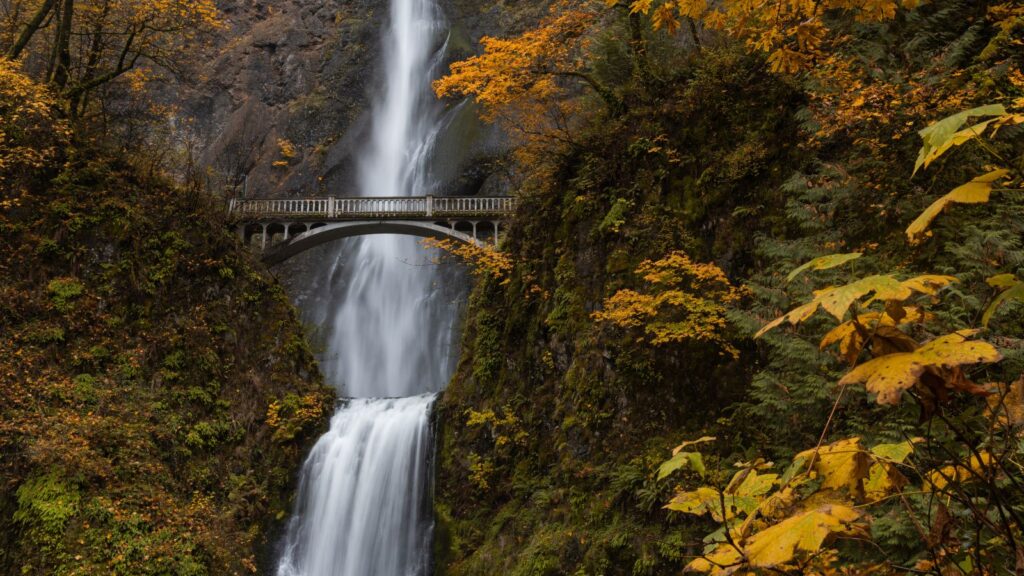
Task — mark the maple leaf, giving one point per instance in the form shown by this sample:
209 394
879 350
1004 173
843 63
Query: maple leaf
880 327
723 560
748 483
640 6
837 300
842 464
804 532
664 18
884 478
682 459
692 460
976 191
708 500
938 136
823 263
939 478
888 376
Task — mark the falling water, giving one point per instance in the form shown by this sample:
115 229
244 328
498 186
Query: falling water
362 496
361 508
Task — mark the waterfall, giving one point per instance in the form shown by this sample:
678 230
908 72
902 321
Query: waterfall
361 508
362 494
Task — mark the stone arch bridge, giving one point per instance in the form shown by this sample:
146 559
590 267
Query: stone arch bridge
282 228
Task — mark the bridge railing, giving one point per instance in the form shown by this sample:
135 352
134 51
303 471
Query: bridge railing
374 207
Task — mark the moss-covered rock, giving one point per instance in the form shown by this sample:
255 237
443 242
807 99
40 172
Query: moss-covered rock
158 392
576 492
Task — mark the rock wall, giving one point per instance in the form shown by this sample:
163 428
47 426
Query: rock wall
302 73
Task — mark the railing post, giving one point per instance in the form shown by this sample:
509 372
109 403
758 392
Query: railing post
331 208
430 205
231 206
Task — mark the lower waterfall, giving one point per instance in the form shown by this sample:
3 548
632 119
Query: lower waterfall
362 502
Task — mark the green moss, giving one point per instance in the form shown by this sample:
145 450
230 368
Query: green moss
134 419
63 292
574 497
615 217
45 506
42 333
85 389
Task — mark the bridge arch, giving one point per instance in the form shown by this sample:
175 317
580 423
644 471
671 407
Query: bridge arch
321 234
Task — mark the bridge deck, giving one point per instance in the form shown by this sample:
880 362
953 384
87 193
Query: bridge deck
373 208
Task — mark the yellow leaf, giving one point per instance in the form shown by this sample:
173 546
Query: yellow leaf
851 340
754 484
805 532
707 500
837 300
823 263
1006 406
689 443
974 192
957 139
939 478
640 6
721 561
884 477
1012 289
842 464
888 376
928 283
664 18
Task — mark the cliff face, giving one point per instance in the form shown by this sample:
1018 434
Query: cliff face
554 426
301 74
285 71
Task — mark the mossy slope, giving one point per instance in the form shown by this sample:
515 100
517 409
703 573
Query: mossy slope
158 391
554 426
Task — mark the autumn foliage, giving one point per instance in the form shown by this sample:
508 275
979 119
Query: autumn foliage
83 48
682 301
484 261
31 133
788 522
875 356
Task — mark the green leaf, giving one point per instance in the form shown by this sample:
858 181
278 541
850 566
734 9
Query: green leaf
691 460
943 135
708 500
824 263
795 468
896 453
1013 289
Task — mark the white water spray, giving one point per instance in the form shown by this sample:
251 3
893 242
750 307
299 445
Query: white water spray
362 508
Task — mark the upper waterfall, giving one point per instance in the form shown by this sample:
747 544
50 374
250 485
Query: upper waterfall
390 329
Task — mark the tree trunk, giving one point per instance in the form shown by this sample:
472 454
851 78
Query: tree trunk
638 46
30 30
91 62
615 105
62 68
